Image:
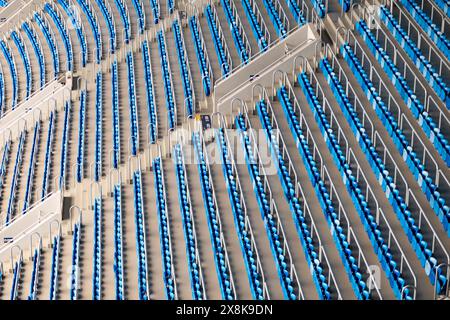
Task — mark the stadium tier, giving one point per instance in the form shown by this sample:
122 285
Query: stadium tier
224 149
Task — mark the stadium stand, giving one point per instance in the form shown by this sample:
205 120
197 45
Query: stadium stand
225 149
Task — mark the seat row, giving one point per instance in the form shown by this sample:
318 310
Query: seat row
167 78
108 16
268 212
297 12
141 244
37 51
4 162
64 145
184 70
97 251
51 42
77 25
379 243
12 68
431 29
115 112
445 6
412 230
64 34
15 177
31 167
75 267
98 125
236 28
320 7
2 93
164 231
423 177
16 278
289 187
421 62
431 129
54 267
201 53
81 136
339 235
242 223
134 122
271 6
214 224
190 237
150 93
48 154
35 273
156 10
219 42
410 157
118 244
123 11
26 61
92 18
256 26
139 7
